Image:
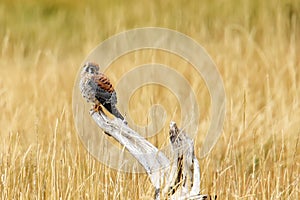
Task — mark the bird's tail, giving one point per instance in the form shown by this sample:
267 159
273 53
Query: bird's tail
116 112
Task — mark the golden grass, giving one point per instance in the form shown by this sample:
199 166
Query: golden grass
255 45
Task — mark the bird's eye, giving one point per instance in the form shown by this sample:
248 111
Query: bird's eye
91 70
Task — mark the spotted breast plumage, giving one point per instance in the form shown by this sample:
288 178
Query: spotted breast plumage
96 88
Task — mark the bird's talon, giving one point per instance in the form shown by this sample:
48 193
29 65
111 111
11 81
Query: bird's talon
97 108
92 111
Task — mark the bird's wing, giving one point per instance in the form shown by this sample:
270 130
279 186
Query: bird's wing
104 83
104 88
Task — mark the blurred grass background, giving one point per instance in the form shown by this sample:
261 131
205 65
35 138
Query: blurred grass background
255 45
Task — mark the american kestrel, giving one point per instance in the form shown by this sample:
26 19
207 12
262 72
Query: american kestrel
96 88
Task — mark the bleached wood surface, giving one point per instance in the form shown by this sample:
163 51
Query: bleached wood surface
155 163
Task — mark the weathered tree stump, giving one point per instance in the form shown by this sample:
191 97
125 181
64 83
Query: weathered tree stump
172 176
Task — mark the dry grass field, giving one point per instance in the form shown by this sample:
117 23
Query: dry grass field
255 44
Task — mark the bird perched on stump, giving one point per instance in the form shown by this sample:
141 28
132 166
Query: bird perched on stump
96 88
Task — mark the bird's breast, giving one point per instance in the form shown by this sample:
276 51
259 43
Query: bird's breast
88 90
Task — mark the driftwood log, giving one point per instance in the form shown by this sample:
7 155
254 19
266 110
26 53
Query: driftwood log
173 175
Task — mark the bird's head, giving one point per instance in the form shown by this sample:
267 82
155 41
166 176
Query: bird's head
90 68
